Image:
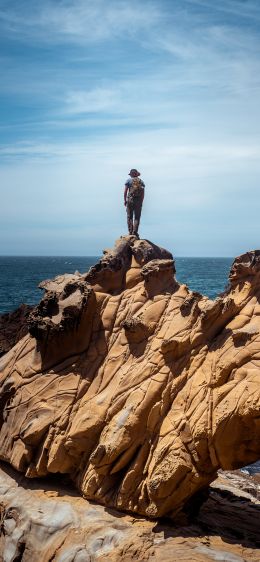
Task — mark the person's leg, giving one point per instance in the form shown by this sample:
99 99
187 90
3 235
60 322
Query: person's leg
129 211
137 212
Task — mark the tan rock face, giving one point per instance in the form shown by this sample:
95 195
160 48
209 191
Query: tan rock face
45 520
136 387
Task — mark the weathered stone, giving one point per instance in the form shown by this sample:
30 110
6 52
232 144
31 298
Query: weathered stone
13 327
134 386
45 520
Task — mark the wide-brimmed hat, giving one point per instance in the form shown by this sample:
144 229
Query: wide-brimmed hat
134 172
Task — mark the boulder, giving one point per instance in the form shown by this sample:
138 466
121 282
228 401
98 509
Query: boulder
137 388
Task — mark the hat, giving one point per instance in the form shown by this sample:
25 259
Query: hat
134 172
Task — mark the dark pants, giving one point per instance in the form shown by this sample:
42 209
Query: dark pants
133 209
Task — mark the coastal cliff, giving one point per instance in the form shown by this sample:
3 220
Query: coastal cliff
137 388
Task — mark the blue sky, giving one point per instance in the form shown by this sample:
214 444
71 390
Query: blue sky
90 89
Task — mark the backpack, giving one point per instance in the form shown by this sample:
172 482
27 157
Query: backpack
136 189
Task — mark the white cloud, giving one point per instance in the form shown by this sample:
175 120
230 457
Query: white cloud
201 54
99 99
248 9
166 148
183 107
75 190
195 201
83 21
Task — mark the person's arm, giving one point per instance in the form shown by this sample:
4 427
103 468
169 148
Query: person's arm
143 186
125 193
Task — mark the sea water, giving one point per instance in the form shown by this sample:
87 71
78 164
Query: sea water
20 276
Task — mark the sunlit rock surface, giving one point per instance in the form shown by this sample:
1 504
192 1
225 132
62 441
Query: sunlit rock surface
45 520
134 386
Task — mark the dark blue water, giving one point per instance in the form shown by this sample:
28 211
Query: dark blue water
208 276
252 468
20 276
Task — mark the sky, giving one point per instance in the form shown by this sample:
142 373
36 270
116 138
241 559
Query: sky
92 88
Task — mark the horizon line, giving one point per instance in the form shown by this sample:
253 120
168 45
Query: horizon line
98 257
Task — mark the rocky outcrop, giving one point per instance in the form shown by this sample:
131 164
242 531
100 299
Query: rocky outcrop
46 521
134 386
13 327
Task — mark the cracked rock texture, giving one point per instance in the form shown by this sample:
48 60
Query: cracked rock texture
45 520
136 387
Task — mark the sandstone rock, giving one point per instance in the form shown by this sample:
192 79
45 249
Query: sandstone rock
13 327
46 521
134 386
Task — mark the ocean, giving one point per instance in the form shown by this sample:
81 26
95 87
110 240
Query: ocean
20 276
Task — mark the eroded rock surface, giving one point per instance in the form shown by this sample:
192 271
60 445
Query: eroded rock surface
13 327
45 520
134 386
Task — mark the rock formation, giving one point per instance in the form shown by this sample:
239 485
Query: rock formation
13 327
44 520
134 386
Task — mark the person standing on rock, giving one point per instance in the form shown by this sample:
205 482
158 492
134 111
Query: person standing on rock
133 198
